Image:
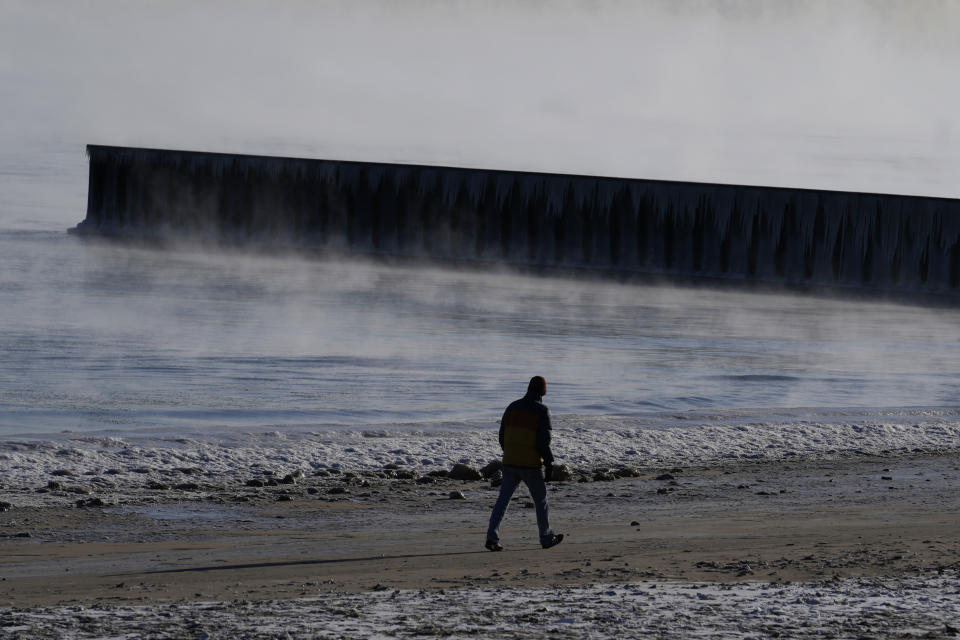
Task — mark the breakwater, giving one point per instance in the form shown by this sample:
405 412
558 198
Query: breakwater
788 236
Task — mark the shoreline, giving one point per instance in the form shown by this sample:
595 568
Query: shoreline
155 468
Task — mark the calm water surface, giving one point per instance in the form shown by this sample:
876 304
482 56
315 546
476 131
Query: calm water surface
105 336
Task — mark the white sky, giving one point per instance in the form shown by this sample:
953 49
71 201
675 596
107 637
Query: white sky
835 94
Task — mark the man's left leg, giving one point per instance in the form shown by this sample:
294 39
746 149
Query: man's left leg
509 485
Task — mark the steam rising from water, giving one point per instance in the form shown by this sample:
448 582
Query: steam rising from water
102 336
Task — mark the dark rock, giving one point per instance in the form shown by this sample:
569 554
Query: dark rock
158 486
53 485
291 478
337 490
439 473
187 486
113 472
190 471
320 473
5 506
23 534
886 477
62 472
457 495
91 502
270 482
490 468
391 466
625 472
312 490
255 482
405 474
562 473
140 470
634 523
426 480
664 476
603 475
463 472
284 497
663 490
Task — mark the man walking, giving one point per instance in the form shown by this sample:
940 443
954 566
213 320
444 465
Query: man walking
525 440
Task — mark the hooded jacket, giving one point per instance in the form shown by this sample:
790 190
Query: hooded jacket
525 433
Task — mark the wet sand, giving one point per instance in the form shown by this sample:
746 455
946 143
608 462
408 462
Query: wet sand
803 521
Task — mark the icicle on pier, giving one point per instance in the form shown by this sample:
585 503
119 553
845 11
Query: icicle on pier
804 237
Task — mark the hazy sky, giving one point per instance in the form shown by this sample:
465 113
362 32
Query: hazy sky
837 94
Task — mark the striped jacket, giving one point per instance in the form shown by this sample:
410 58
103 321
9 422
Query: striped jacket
525 433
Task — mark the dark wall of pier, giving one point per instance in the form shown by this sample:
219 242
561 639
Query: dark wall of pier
790 236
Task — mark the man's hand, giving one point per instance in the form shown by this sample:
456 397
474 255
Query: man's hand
548 472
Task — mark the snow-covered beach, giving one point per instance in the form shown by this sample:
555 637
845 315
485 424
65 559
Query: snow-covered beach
852 608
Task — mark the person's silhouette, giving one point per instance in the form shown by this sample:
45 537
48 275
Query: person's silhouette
525 440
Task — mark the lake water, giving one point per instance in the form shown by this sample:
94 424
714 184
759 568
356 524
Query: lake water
101 336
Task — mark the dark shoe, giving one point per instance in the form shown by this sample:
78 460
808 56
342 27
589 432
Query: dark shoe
493 545
552 542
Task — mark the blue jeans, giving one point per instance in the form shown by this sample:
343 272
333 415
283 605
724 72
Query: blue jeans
533 478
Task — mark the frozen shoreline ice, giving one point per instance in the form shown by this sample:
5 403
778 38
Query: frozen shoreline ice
693 438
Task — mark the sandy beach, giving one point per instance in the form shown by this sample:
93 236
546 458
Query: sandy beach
282 551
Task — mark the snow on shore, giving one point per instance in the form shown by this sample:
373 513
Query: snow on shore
681 439
646 441
862 608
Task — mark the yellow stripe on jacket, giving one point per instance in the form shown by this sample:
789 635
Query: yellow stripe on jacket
520 439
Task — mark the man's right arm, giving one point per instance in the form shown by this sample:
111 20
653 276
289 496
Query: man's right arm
503 422
543 437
